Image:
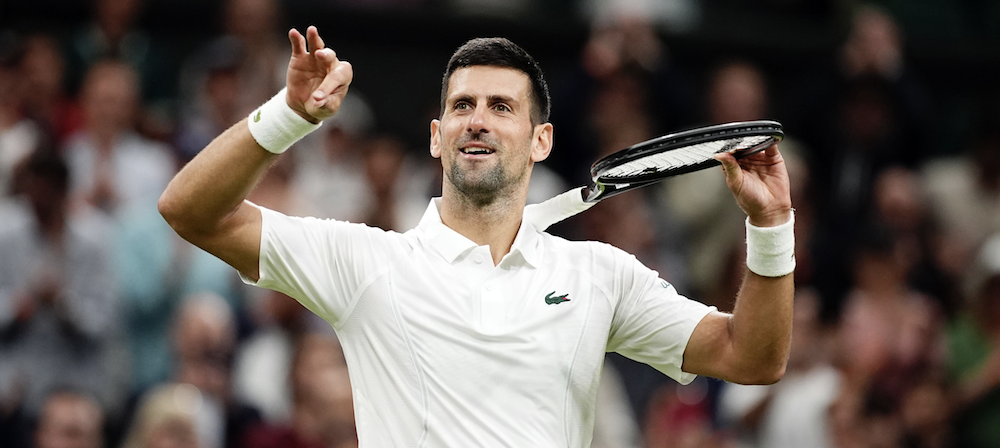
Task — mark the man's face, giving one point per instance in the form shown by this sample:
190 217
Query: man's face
485 138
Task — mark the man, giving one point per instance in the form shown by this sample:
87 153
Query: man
475 328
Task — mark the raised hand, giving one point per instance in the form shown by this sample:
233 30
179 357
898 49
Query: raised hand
760 184
317 81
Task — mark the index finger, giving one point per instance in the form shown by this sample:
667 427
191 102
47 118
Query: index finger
298 42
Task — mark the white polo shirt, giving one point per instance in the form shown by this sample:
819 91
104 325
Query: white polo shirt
446 350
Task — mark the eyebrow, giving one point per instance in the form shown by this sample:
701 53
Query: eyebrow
490 99
501 99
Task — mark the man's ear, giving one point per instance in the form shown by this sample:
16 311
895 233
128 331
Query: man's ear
541 142
436 138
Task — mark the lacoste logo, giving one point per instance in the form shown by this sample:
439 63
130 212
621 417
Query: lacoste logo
256 118
549 300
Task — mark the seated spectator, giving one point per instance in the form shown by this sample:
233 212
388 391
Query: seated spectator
323 410
204 335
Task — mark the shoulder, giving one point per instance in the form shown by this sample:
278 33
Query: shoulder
312 227
593 255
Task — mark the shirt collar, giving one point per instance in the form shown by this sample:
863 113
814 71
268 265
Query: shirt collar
452 245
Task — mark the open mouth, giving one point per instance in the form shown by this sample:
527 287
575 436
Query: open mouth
475 150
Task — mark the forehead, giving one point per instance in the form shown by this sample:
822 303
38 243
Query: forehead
483 80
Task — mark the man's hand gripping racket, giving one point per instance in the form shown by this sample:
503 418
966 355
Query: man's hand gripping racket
756 177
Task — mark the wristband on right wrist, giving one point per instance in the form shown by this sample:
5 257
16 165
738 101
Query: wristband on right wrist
275 126
771 250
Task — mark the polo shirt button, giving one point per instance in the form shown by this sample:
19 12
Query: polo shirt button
489 287
479 258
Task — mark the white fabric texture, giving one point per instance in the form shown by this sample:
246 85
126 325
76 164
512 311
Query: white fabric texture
771 250
447 350
276 127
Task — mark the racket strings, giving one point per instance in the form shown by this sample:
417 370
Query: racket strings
683 157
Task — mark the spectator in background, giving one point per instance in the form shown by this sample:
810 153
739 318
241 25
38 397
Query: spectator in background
168 416
204 345
889 339
216 100
70 420
18 135
250 44
795 412
261 370
900 202
964 193
974 352
323 408
48 104
330 163
156 269
112 34
700 207
872 54
625 79
59 310
115 168
859 114
397 185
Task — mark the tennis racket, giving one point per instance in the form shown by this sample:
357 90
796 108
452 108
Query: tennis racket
654 160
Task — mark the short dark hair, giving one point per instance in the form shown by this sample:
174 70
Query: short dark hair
501 52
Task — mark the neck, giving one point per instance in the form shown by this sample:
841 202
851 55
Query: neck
494 224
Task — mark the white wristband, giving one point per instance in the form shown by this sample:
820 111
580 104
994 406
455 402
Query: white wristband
276 126
771 250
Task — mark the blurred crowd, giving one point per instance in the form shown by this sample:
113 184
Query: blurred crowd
115 332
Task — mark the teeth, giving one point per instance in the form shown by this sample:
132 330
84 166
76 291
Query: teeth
475 150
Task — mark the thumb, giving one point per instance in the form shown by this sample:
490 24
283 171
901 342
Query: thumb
333 87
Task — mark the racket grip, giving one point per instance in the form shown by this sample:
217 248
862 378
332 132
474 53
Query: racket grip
556 209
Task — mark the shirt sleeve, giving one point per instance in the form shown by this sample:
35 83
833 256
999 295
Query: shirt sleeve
652 322
322 263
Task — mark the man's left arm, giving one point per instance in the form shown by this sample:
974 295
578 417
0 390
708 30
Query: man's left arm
750 346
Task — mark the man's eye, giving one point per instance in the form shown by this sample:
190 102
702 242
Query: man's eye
461 106
502 108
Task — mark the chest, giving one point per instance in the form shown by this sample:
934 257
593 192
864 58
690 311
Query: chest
473 319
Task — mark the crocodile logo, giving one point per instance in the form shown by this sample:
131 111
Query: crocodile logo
256 118
549 300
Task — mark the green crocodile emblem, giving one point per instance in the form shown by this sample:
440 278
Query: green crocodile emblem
555 300
256 118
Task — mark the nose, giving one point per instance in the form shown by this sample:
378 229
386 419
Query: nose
478 121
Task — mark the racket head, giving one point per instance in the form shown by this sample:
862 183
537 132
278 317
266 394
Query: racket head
683 152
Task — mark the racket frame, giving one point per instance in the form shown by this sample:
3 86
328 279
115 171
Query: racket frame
603 187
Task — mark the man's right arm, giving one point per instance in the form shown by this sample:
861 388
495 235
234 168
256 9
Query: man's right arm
205 202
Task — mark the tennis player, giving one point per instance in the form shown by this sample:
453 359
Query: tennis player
475 328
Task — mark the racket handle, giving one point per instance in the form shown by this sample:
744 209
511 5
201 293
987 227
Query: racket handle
557 208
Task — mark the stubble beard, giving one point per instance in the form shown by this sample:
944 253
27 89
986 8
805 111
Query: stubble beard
482 187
